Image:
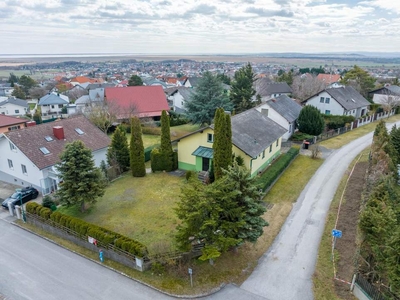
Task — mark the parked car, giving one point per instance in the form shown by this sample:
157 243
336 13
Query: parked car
24 194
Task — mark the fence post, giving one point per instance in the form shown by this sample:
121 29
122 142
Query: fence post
351 125
353 282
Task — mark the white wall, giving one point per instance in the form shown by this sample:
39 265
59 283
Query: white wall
277 118
9 109
178 100
15 175
51 109
100 155
334 107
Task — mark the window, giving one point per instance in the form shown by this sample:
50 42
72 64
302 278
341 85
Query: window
327 100
10 164
24 171
321 100
17 111
210 137
48 138
52 106
327 112
12 147
270 148
14 127
263 154
60 106
79 131
354 111
277 141
44 150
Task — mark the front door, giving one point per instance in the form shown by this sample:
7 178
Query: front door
205 164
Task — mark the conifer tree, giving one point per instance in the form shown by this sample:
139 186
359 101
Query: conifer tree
166 147
82 182
222 146
242 90
310 120
138 167
119 150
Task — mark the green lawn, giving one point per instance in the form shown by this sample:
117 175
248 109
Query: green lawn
343 139
140 208
32 106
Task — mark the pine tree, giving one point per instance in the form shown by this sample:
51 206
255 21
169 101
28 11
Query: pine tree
119 150
138 167
82 182
310 120
242 90
37 116
395 140
135 81
206 98
18 93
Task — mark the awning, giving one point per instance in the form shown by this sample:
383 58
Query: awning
203 152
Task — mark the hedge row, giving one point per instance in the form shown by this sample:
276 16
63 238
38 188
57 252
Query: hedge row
273 172
159 162
83 228
151 130
147 152
335 122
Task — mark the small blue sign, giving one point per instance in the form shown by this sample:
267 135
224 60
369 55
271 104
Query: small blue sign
101 256
336 233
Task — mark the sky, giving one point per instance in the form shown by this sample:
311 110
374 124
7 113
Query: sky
198 26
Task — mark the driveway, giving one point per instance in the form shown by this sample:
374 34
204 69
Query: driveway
285 271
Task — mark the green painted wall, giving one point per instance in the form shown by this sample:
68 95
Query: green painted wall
185 166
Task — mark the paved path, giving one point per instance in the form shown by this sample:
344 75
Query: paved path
285 271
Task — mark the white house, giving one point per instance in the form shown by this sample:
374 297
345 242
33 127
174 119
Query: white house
52 104
385 95
13 107
178 97
283 111
267 89
28 156
343 100
6 89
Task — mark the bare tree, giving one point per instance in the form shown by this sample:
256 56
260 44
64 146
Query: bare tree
74 94
389 101
38 92
306 85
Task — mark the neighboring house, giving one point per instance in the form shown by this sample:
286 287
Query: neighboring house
83 79
339 101
386 94
330 80
93 86
192 82
6 90
29 155
14 107
52 104
140 101
268 90
178 97
95 96
255 137
150 81
282 110
10 123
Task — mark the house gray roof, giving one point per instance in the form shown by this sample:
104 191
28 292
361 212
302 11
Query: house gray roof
15 101
83 99
286 107
194 81
394 89
52 99
264 87
186 93
252 132
348 97
96 94
153 81
92 86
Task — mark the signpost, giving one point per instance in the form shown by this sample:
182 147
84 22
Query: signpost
190 271
336 234
101 257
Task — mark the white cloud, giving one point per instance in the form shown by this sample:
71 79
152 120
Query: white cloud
189 26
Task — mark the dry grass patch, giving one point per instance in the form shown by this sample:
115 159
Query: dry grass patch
341 140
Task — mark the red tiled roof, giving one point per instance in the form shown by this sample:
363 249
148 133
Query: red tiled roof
29 140
7 121
83 79
328 78
146 101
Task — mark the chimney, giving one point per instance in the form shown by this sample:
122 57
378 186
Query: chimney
58 132
30 123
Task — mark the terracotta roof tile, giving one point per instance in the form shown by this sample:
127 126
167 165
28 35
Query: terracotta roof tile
29 140
147 101
7 121
329 78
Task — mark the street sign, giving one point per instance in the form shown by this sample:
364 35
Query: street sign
336 233
190 271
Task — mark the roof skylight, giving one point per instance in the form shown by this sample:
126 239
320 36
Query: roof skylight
44 150
48 138
79 131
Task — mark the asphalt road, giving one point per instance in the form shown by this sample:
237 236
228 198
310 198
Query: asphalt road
285 271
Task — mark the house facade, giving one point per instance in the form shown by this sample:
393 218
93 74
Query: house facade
385 95
29 155
178 97
52 104
283 111
343 100
13 107
11 123
256 138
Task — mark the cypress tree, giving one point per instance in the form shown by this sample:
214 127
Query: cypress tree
136 149
119 150
166 147
222 146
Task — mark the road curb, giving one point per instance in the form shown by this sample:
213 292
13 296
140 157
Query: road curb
213 291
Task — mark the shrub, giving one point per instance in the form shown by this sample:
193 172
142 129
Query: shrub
147 152
188 175
31 207
47 201
335 122
266 180
161 162
151 130
45 213
300 136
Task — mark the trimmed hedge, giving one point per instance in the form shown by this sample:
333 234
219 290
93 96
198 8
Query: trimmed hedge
272 173
151 130
84 228
335 122
147 152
